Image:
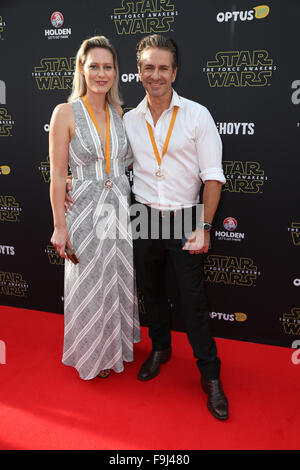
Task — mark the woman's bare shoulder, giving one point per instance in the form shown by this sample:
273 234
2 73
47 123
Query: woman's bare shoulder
63 109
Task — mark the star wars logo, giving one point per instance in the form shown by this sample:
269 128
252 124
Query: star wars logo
294 230
13 284
53 256
144 17
54 73
6 121
9 209
243 177
240 69
291 321
45 170
230 270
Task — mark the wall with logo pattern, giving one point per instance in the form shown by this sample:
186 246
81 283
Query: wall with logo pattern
239 59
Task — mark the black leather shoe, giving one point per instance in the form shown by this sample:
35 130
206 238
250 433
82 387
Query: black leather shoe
217 402
151 366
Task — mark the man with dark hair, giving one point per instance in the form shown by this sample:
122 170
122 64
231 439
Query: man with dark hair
176 147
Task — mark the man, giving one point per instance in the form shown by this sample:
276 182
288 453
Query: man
176 147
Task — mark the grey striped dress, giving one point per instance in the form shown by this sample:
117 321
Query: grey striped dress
100 303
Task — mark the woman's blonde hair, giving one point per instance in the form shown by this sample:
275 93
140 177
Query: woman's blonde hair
79 85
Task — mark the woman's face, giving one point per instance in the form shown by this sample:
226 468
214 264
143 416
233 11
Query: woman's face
99 70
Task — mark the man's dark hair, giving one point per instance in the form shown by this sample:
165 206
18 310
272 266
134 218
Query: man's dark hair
160 42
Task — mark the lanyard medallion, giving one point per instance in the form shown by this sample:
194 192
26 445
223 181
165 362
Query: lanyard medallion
160 174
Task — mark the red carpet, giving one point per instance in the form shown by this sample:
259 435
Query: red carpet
44 405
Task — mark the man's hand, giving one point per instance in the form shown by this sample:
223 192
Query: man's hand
198 242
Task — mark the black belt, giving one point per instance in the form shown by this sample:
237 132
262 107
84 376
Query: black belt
164 213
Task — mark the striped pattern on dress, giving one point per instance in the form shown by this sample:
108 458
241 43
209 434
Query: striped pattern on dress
101 308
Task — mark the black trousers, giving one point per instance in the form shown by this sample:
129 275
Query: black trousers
151 258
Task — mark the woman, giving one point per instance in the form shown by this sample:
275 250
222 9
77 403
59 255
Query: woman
101 309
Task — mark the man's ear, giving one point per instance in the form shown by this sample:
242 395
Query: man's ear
174 75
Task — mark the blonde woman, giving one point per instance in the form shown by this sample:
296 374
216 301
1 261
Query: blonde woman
87 133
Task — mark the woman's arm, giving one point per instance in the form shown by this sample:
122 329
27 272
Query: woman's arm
59 139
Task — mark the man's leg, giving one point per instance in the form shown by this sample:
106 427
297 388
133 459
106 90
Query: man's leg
149 260
150 269
188 269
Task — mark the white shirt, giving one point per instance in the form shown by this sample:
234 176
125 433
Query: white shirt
194 153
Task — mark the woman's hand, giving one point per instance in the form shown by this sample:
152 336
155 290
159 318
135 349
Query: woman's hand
68 199
59 239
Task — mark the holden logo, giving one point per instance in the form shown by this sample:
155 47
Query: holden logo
230 224
57 19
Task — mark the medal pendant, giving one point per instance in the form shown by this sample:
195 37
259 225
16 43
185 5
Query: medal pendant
108 184
159 174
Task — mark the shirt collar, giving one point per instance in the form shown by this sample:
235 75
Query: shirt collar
175 101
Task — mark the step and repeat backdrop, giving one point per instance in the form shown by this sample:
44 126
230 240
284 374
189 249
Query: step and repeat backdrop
239 59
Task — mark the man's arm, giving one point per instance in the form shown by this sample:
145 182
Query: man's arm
200 239
209 152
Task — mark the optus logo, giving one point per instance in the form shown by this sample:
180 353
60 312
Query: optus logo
4 170
258 12
238 316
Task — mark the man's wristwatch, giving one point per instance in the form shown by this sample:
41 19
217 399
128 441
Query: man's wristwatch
206 226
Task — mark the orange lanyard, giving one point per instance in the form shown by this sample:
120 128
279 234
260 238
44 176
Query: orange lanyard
107 142
158 158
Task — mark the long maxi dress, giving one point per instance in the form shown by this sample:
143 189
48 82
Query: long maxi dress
100 302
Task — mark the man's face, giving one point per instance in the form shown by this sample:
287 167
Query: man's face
156 71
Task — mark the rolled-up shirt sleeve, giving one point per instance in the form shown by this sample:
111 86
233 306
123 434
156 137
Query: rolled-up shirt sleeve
209 148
